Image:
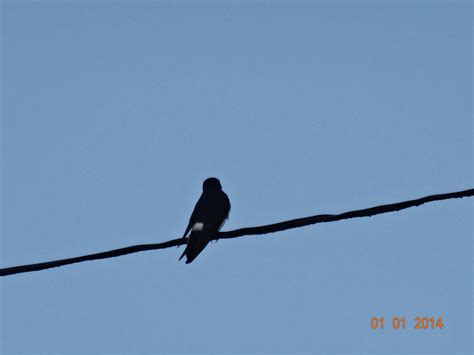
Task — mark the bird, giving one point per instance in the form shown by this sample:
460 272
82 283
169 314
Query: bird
209 215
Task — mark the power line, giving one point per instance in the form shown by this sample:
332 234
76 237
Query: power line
269 228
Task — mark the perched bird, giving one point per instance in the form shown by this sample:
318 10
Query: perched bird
208 217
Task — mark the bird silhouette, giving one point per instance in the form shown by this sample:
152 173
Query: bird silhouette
208 217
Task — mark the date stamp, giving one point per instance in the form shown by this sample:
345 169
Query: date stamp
396 323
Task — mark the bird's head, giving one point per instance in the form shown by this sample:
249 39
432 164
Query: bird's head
211 184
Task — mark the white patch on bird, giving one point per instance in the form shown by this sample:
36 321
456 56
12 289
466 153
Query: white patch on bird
198 226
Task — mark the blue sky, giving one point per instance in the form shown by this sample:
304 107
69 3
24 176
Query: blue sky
113 113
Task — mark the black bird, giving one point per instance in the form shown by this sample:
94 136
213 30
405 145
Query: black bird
208 217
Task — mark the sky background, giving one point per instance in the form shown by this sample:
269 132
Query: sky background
113 113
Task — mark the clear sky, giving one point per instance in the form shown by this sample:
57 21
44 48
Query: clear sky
114 112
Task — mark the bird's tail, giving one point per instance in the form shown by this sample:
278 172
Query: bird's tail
184 253
197 241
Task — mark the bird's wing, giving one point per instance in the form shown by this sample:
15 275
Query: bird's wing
194 216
